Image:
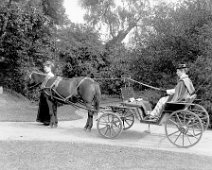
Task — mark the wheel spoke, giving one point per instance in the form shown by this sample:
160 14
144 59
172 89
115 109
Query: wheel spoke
106 121
173 133
178 119
127 123
177 137
115 123
106 131
108 118
175 123
103 123
190 134
110 131
194 132
188 139
129 119
184 119
196 123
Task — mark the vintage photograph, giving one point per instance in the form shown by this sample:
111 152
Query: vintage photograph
105 84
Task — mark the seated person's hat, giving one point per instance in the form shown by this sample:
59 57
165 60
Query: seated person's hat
181 66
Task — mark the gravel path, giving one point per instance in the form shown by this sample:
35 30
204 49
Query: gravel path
32 146
40 155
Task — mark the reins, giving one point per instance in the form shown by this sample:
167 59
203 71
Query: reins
130 79
146 85
34 85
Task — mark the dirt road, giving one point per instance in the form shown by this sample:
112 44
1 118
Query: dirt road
72 131
32 146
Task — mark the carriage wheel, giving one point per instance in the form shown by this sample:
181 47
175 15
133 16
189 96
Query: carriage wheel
109 125
202 113
183 128
127 118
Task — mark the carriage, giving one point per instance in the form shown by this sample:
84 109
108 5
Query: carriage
184 122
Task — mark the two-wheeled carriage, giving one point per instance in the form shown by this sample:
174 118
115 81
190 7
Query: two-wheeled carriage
184 122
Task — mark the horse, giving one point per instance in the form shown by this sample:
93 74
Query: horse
66 91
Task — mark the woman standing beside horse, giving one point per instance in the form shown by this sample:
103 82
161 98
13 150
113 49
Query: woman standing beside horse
43 115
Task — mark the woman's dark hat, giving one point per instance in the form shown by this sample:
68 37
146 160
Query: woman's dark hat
181 66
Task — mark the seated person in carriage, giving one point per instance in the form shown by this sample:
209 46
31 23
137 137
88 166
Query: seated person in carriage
182 91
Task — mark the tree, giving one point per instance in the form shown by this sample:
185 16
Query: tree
119 20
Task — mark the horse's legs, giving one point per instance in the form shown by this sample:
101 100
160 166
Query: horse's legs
89 123
55 113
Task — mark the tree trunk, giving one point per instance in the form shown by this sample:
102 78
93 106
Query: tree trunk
120 37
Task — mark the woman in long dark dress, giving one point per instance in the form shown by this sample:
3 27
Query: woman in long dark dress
43 115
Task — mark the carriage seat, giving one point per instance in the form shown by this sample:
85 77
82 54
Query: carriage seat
191 98
173 106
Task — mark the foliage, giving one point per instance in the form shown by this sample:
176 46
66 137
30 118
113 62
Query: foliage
80 51
26 41
115 69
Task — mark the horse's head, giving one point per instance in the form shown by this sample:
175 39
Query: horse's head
35 78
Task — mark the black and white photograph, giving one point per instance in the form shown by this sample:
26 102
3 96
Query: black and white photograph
106 84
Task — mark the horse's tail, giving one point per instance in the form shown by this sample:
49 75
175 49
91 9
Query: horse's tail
97 97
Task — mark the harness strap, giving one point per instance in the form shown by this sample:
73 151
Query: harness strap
56 82
43 85
52 87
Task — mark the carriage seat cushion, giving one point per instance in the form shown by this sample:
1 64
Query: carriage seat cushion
191 98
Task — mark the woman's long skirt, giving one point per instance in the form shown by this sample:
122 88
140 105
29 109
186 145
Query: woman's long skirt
43 115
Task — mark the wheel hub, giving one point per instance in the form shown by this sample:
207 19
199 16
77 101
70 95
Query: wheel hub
183 129
109 125
123 118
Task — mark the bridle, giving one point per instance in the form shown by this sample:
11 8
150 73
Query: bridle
32 85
